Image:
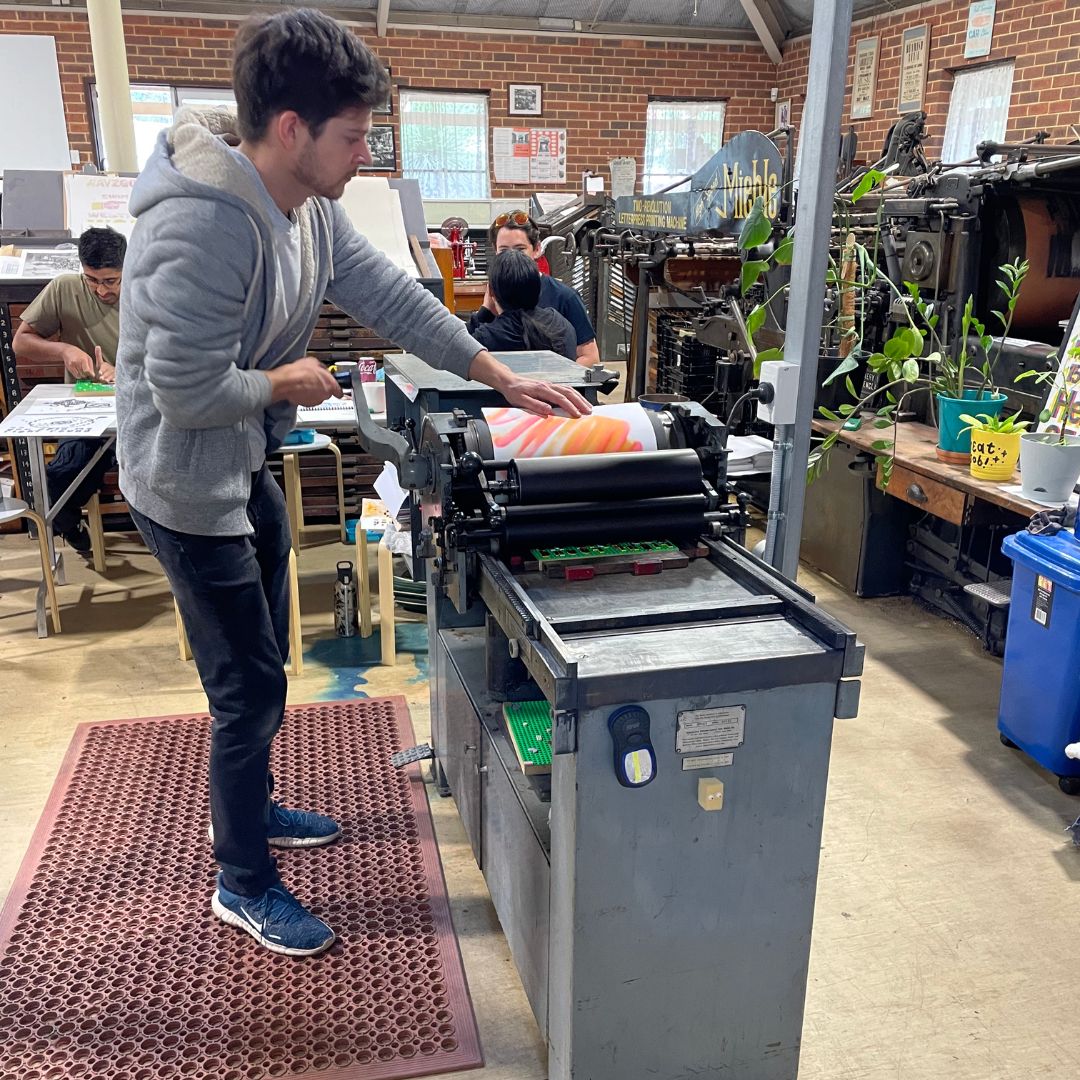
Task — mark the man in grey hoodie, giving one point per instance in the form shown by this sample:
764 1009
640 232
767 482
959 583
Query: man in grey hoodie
236 242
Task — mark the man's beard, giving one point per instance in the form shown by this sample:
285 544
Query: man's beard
307 173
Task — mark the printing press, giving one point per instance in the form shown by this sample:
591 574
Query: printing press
634 717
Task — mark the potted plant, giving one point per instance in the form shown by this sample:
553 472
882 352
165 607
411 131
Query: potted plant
912 360
995 445
1050 460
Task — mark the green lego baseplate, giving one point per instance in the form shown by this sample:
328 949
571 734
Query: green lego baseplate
87 387
529 725
547 556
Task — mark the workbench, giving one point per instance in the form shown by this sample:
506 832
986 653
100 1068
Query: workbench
938 537
921 479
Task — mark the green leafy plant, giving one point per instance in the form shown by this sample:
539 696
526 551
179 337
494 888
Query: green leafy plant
1047 377
985 422
914 358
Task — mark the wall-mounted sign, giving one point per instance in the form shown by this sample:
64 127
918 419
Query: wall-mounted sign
721 193
862 88
914 54
980 28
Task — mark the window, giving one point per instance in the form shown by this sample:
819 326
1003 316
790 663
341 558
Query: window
680 136
444 143
978 110
152 108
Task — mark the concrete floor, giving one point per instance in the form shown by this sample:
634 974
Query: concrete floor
946 884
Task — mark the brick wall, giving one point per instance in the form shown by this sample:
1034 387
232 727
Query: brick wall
1043 39
598 90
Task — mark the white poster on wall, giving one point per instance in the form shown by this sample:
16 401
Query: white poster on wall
862 90
33 131
529 155
980 28
914 55
98 201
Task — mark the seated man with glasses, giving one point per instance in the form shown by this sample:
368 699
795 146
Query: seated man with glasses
82 311
516 231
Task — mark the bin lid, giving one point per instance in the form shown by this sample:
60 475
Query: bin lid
1056 557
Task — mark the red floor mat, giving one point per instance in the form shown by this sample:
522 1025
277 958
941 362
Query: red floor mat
112 966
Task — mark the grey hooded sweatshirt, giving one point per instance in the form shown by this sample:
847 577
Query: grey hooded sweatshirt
198 299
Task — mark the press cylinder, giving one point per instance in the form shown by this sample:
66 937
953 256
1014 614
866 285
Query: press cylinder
549 525
605 477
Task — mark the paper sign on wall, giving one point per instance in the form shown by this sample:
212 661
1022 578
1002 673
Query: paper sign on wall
98 201
862 91
529 155
914 54
980 28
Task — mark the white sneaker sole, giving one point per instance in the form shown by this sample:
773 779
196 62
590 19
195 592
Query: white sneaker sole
230 917
290 841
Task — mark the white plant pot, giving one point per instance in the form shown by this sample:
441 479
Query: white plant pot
1048 468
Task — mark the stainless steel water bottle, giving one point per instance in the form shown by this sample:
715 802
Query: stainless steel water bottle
345 600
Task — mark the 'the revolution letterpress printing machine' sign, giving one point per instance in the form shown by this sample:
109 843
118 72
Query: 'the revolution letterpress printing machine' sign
721 195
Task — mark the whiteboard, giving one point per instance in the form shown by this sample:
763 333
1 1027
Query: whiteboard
33 131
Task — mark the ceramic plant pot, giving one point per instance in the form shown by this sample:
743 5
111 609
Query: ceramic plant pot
954 442
994 455
1049 468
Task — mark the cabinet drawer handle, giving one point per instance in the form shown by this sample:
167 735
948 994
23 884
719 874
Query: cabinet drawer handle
469 749
916 494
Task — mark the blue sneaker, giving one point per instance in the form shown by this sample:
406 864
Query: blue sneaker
299 828
296 828
276 920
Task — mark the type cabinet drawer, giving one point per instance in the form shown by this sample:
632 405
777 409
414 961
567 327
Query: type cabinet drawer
927 494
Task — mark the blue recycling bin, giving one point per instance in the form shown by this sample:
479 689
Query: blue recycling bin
1040 686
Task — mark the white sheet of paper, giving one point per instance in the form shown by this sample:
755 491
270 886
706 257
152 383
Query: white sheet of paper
624 428
86 424
374 208
74 406
389 489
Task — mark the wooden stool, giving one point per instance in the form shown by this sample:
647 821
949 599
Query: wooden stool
97 530
387 641
10 510
296 641
294 500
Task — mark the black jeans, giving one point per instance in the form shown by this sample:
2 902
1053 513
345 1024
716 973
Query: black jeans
233 593
71 458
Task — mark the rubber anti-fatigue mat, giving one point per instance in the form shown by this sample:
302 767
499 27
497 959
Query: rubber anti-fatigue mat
112 966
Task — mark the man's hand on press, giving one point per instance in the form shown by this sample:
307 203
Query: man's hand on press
79 363
305 382
528 394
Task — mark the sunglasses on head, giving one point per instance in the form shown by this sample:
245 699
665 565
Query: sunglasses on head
517 217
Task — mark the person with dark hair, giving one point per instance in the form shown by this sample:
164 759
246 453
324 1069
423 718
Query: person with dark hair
238 237
82 313
519 324
516 231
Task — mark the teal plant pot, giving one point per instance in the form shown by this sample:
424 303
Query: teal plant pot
954 443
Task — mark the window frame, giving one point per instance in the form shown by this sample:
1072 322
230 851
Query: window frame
175 90
441 91
668 99
976 69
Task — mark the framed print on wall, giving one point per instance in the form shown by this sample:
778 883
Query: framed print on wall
914 54
862 89
383 151
525 99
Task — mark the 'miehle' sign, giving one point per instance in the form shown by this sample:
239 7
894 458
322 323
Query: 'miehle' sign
721 193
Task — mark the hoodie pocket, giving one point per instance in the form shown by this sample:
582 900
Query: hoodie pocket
200 464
